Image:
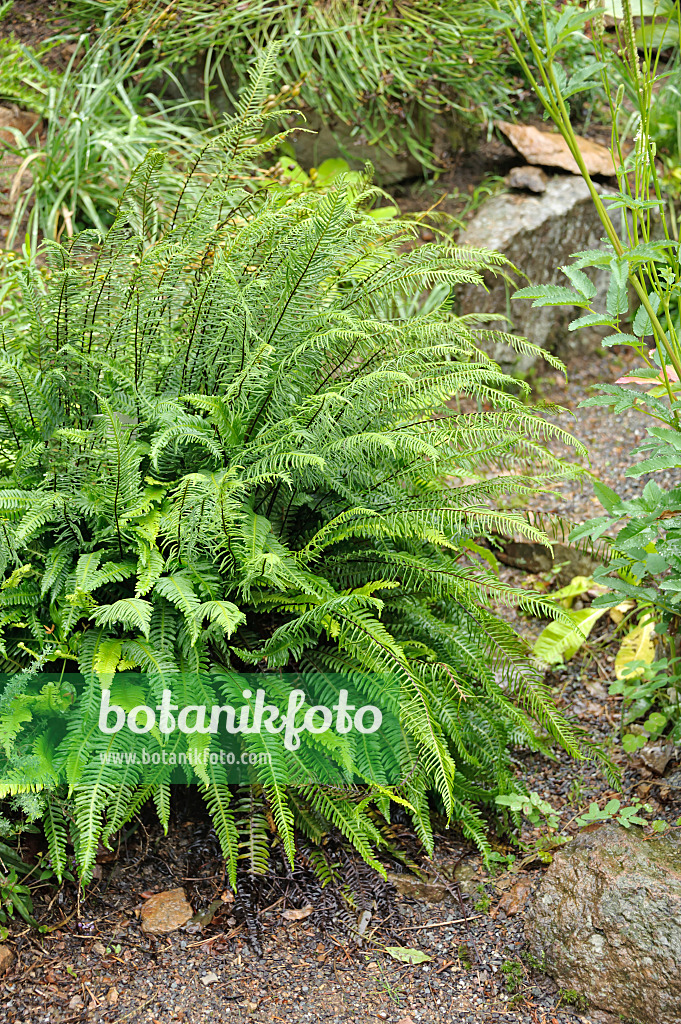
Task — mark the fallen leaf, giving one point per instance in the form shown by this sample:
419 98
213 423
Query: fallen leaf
297 915
406 955
513 899
639 645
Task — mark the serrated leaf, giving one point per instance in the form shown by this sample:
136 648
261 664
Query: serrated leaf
591 320
580 281
638 645
620 339
551 295
642 325
616 301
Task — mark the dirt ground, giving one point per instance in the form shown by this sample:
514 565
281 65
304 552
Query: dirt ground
248 963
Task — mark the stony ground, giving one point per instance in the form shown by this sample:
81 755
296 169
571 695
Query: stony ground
253 961
95 964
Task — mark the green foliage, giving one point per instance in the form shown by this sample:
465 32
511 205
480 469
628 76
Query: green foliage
514 976
633 256
614 811
383 70
645 566
24 79
100 123
531 806
14 897
221 450
650 695
569 997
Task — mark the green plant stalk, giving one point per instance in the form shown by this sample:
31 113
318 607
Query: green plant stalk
561 118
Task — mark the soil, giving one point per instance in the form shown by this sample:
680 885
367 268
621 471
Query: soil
249 963
610 439
33 22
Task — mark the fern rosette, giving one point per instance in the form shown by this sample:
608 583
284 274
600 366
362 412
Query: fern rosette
225 452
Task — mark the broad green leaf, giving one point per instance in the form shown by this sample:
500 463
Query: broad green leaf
384 213
608 498
577 586
631 742
642 325
330 169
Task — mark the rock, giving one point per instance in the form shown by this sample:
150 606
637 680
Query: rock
607 920
414 889
467 875
538 234
166 912
657 756
23 121
6 959
549 149
673 781
532 179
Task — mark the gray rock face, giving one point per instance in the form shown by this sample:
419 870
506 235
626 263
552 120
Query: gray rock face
607 919
529 178
537 234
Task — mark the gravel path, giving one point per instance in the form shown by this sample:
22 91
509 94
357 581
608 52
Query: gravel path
608 438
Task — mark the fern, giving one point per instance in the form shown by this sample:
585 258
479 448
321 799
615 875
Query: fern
223 453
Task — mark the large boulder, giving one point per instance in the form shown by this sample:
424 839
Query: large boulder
606 921
537 233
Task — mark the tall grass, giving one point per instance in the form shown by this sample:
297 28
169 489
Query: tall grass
100 124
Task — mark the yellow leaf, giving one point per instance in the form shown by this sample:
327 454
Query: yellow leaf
620 610
639 645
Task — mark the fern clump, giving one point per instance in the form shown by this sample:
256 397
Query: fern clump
224 453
